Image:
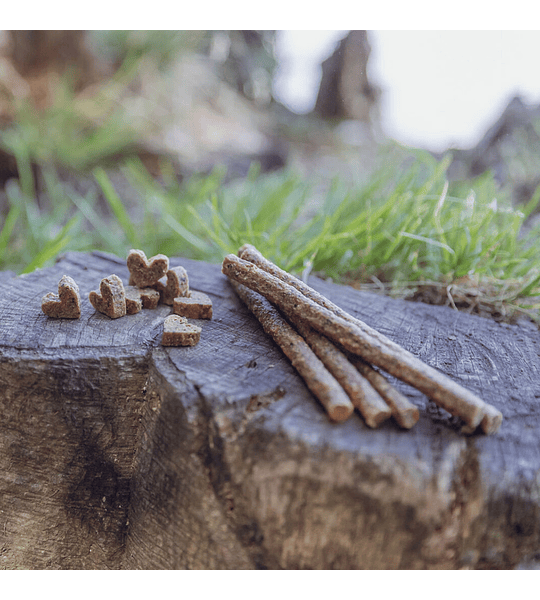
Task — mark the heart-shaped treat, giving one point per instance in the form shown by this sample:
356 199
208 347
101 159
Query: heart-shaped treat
196 306
144 272
112 301
172 286
64 305
178 332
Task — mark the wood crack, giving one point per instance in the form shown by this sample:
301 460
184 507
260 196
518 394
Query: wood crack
211 448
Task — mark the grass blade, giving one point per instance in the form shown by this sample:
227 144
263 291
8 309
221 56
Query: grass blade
117 207
53 247
7 230
185 233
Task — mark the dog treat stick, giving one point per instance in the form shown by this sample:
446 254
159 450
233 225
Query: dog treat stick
377 350
404 412
317 378
370 404
490 423
492 418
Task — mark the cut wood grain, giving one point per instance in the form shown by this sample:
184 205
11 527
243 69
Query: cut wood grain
116 452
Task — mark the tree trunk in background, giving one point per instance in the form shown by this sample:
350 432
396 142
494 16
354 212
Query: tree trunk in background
345 91
38 55
36 51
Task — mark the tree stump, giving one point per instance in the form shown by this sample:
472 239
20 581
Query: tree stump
119 453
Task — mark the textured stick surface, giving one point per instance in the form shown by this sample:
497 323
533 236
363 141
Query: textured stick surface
490 420
363 397
322 384
116 452
404 412
380 352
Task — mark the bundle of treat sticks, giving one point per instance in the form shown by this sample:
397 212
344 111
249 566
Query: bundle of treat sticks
334 352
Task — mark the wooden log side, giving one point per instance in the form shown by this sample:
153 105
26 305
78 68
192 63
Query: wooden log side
66 452
116 452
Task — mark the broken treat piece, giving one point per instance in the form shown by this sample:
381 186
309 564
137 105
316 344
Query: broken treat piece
173 285
112 301
133 300
178 332
139 298
64 305
143 272
149 297
196 306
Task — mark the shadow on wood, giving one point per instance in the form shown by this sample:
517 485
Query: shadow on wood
119 453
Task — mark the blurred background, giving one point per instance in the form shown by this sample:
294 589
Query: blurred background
194 142
202 97
439 88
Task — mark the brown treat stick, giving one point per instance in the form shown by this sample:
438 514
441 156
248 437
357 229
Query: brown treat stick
404 412
321 383
377 350
492 421
369 403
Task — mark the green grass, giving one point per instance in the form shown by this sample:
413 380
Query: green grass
406 227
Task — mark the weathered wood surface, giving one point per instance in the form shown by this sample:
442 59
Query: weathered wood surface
116 452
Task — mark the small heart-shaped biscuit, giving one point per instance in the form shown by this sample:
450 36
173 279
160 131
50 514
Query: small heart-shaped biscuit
112 301
64 305
144 272
178 332
196 306
172 286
